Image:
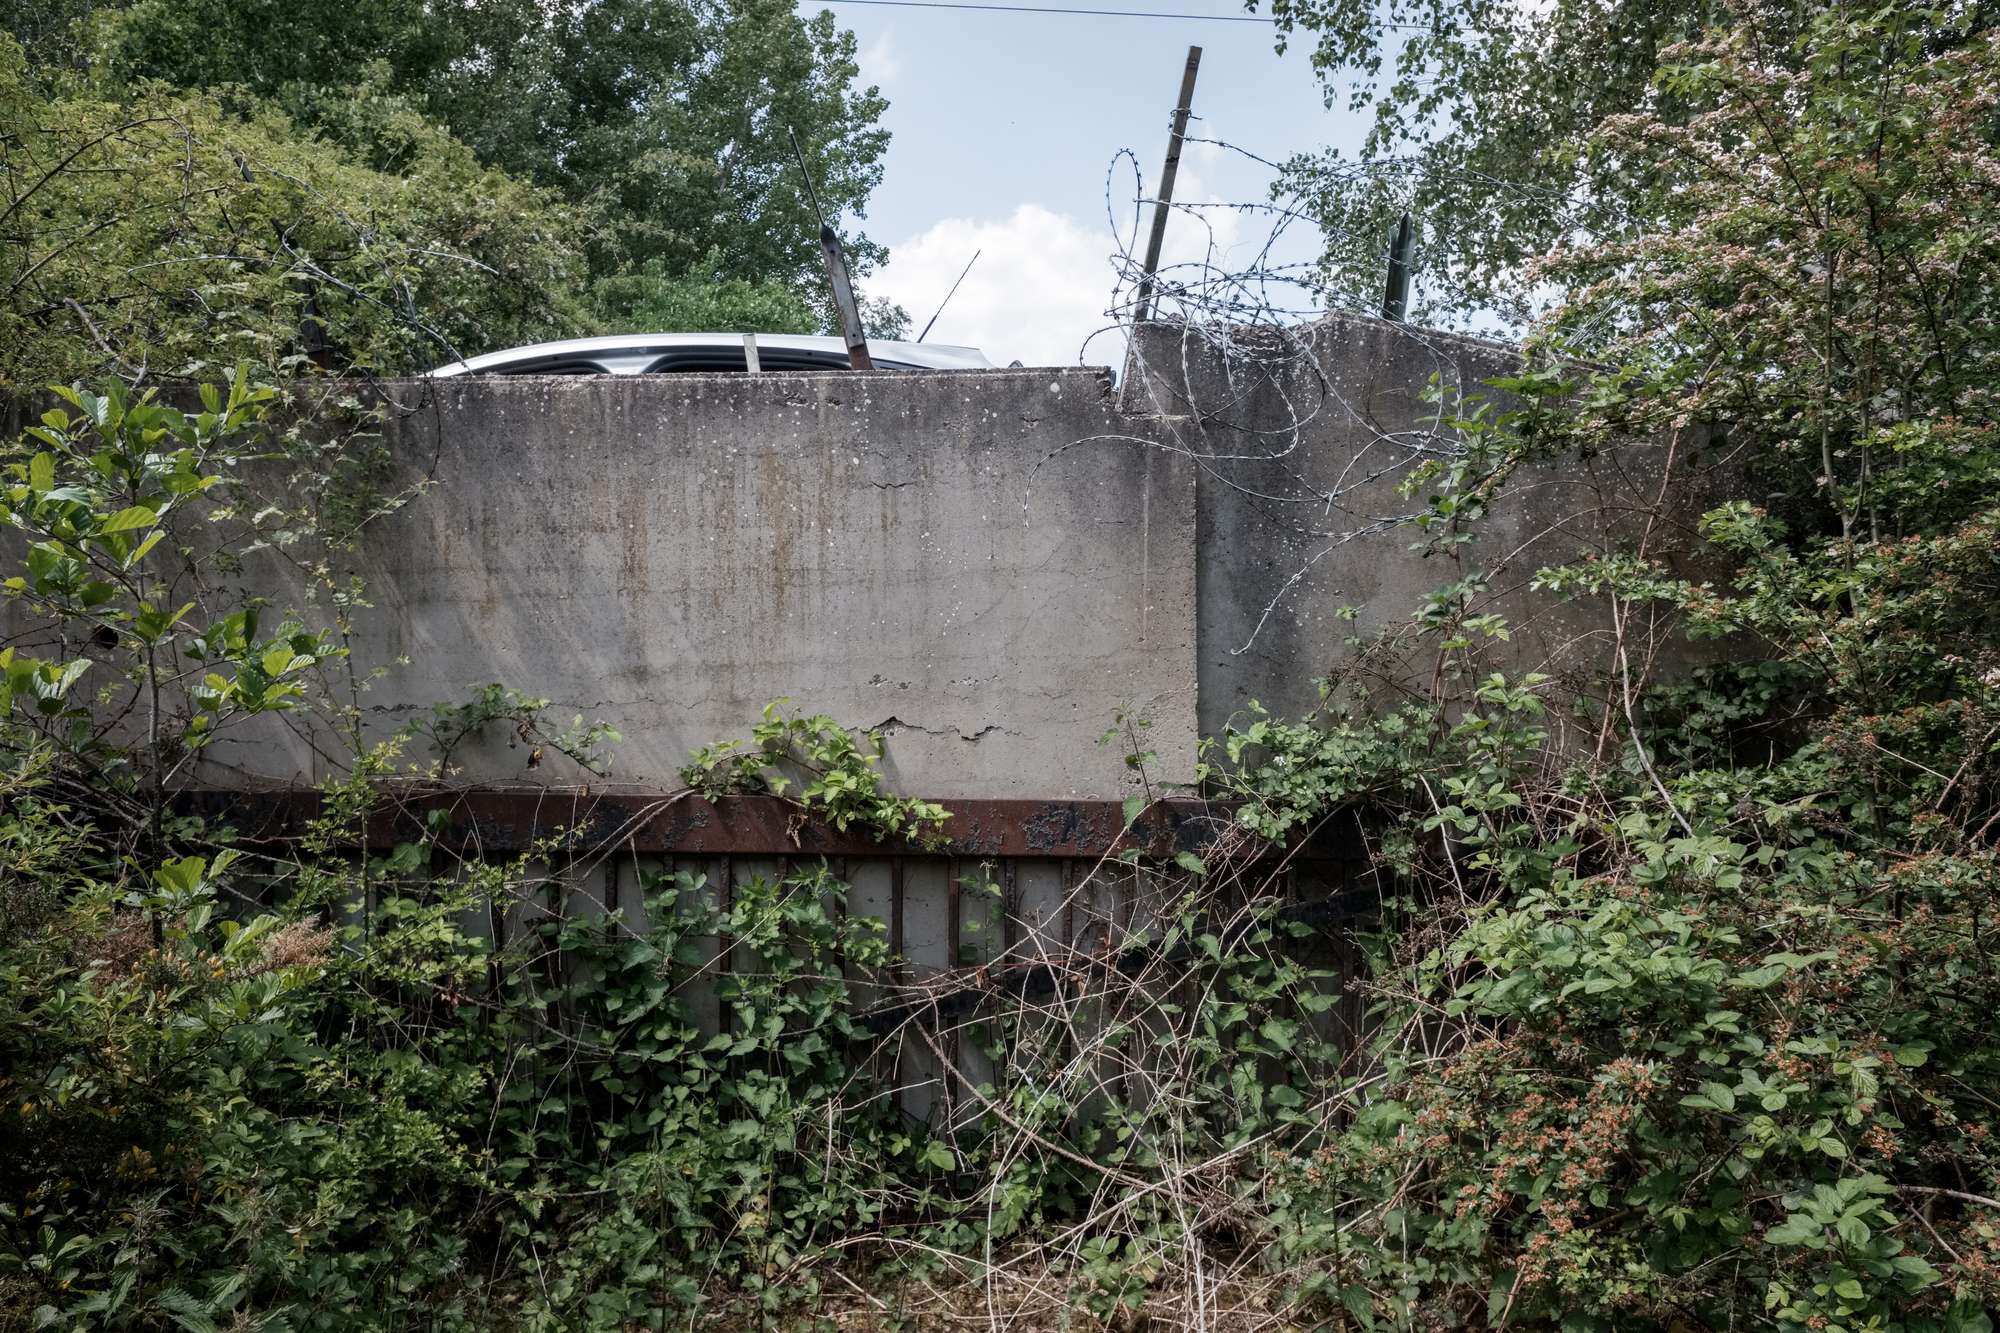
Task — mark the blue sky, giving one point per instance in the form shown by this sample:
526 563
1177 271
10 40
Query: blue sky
1004 126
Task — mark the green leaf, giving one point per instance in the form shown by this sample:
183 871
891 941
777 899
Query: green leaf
152 539
42 472
186 1311
65 679
1965 1317
138 516
1501 1293
1797 1229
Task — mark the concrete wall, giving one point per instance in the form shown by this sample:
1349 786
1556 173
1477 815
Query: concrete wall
915 552
988 567
1300 445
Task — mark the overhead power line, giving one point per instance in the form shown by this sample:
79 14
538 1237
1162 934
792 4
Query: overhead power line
1056 9
1095 13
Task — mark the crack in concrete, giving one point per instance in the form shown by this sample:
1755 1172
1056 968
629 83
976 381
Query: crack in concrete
896 722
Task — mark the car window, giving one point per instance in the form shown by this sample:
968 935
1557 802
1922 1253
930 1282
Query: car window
696 361
780 359
551 368
699 361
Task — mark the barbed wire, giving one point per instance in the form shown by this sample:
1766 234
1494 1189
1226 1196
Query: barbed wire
1230 363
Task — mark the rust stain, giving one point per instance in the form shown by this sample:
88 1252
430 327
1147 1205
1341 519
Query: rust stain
502 820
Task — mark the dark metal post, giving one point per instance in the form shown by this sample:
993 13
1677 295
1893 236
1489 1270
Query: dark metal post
1164 205
1396 301
844 303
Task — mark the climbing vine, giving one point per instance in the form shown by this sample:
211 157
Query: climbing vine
818 764
1653 1001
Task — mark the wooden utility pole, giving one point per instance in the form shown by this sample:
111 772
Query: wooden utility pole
1163 206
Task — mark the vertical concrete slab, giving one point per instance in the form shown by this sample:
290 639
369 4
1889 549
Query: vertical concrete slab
985 567
1303 438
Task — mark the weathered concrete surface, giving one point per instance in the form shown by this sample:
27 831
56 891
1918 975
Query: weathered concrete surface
987 567
917 553
1301 446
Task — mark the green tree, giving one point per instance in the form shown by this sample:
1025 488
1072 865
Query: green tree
161 233
655 301
670 119
1479 112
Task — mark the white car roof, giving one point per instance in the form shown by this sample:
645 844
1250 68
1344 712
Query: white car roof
637 353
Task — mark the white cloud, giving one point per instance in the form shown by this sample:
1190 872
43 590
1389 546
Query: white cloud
1038 291
880 61
1198 235
1044 278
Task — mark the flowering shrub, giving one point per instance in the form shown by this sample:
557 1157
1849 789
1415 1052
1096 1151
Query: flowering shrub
1702 1037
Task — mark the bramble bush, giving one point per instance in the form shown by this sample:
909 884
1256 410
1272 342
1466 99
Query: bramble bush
1701 1037
1689 1029
302 1085
241 1096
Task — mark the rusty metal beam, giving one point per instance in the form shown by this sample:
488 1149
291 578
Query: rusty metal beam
491 820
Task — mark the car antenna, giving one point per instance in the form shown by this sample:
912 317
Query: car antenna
844 303
948 295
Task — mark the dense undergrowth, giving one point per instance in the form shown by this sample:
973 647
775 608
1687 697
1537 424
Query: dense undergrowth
1686 1024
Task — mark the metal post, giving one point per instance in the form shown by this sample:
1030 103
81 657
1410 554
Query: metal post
750 362
844 303
1164 205
1396 300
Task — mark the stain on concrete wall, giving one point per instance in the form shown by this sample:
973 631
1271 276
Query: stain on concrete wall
1301 445
985 566
918 553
